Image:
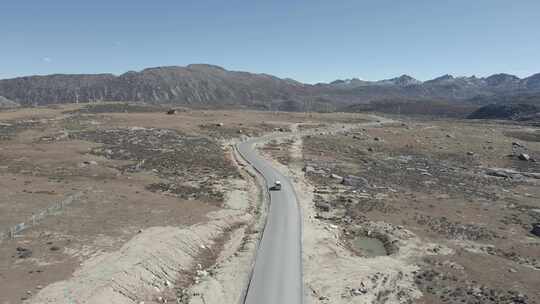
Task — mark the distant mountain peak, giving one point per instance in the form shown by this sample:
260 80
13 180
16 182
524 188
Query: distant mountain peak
339 81
503 75
403 81
204 66
502 78
349 82
444 77
533 82
406 79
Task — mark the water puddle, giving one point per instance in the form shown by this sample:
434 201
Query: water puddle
368 246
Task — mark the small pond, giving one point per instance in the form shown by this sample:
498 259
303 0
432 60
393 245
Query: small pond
368 246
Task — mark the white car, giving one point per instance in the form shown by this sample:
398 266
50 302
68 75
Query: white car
276 186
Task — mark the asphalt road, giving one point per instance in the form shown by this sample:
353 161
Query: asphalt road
277 276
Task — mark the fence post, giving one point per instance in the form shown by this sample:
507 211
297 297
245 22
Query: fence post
58 206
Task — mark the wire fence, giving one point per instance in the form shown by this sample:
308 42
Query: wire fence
38 217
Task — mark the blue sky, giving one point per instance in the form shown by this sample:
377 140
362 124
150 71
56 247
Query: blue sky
310 41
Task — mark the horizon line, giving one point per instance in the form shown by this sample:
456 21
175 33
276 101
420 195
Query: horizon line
263 73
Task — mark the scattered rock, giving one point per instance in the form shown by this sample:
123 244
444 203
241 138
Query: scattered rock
518 145
23 253
308 169
87 163
355 181
455 230
453 289
335 176
524 156
509 173
358 291
323 206
171 112
202 273
498 173
536 229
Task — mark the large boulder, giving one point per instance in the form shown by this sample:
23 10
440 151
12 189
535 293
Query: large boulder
308 169
536 229
311 170
355 181
323 206
524 156
335 176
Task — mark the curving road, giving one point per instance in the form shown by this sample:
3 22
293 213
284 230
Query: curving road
277 275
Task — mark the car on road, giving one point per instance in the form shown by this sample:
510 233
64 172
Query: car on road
276 186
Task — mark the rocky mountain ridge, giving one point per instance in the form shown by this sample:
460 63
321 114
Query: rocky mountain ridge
210 85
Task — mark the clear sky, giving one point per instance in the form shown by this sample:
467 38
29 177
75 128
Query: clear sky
308 40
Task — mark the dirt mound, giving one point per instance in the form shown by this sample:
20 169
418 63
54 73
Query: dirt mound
145 266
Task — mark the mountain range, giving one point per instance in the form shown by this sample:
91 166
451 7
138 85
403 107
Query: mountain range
210 85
